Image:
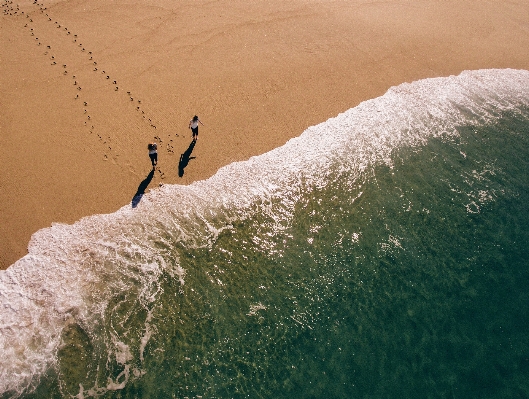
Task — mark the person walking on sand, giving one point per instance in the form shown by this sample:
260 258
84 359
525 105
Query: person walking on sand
193 125
153 154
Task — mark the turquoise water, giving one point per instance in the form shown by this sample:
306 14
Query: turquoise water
391 263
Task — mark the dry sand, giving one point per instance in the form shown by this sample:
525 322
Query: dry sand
85 85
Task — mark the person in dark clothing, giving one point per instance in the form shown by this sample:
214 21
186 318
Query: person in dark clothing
153 154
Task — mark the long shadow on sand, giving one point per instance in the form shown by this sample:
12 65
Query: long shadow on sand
185 157
141 189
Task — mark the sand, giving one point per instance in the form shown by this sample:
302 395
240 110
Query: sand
85 85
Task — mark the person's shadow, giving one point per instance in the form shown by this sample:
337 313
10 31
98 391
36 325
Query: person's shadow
185 157
141 189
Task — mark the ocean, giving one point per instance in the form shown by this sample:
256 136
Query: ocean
380 254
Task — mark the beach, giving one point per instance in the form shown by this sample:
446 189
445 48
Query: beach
351 221
86 85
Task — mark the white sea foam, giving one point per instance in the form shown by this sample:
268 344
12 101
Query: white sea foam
72 271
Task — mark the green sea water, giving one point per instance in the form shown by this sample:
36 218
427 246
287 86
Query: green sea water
409 282
382 254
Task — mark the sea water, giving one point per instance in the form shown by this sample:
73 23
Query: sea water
383 253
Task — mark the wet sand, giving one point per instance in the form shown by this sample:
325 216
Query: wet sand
86 85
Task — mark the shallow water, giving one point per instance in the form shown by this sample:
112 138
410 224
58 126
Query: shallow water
382 253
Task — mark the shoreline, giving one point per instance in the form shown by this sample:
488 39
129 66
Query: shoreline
79 114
